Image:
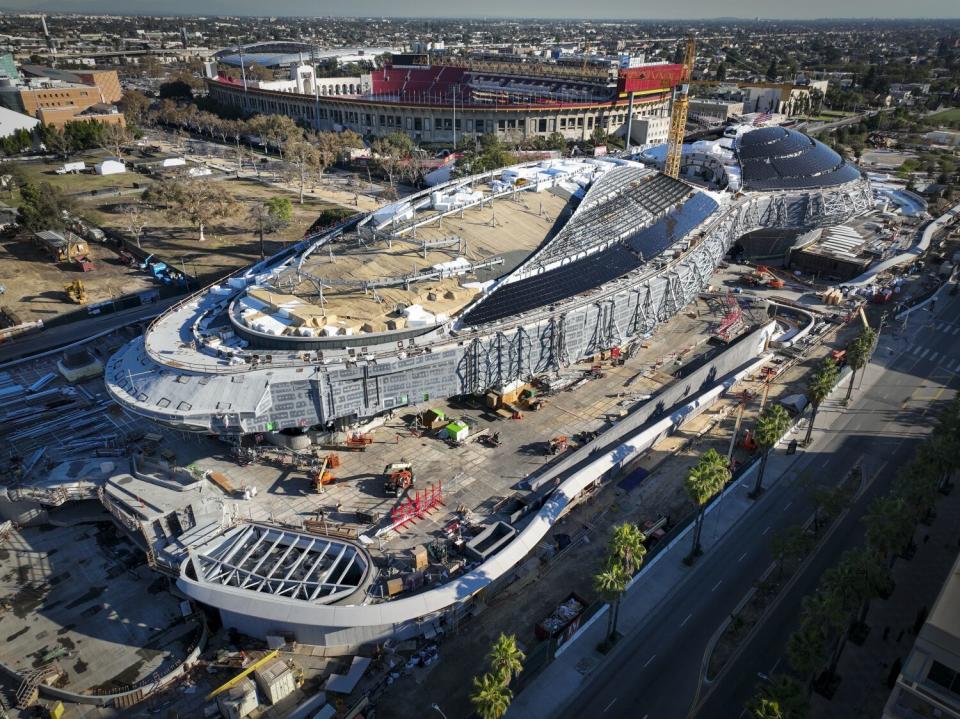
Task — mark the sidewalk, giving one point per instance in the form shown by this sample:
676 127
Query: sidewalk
664 575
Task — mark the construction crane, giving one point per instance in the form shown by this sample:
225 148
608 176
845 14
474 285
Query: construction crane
678 114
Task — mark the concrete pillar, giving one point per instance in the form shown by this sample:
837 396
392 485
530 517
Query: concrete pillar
629 121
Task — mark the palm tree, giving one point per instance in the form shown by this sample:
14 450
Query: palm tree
783 697
771 426
890 526
627 546
765 709
505 657
611 583
491 697
703 482
806 652
858 354
818 389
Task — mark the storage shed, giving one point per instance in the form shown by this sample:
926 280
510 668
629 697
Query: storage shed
276 680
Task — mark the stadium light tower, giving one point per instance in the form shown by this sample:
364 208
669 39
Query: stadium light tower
678 115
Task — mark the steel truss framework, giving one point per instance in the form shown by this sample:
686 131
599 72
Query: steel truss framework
276 561
635 305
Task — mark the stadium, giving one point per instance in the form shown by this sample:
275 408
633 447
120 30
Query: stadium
437 103
480 284
471 285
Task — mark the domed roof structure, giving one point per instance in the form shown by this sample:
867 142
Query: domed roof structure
777 158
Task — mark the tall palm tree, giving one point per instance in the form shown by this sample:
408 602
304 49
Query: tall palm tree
890 526
858 354
763 708
627 546
782 697
612 583
818 389
703 482
491 697
771 426
505 657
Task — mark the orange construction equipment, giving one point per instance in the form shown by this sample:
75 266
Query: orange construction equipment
765 276
320 476
748 442
399 477
558 444
359 440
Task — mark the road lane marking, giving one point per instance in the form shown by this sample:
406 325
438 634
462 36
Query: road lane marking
787 506
764 531
646 663
742 556
716 585
610 705
916 349
925 353
933 357
689 617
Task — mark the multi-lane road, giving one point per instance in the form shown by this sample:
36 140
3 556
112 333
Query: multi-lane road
655 672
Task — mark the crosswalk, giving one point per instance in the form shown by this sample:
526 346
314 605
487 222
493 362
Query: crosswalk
928 344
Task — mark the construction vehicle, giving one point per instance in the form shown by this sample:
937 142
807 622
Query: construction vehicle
558 444
359 442
678 114
491 440
76 292
84 263
399 478
320 475
748 442
763 276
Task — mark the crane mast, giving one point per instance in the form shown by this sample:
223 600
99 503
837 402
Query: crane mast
678 114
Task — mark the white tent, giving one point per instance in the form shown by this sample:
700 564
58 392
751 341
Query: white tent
110 167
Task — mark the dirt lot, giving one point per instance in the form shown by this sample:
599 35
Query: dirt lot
34 285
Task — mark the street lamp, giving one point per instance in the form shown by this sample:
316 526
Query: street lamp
437 707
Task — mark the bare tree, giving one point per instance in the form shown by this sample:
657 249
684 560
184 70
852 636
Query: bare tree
114 137
306 159
135 218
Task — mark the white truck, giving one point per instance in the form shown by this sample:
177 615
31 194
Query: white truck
73 167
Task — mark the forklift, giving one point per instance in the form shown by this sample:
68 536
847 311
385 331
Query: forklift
320 474
399 478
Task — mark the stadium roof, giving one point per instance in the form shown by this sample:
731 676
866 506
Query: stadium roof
776 158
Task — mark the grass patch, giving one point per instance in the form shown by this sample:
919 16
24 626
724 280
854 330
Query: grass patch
946 116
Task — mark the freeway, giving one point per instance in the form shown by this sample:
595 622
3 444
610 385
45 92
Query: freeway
654 672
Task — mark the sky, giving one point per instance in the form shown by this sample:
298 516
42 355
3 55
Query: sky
629 9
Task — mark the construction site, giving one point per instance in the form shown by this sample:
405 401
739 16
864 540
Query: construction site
449 479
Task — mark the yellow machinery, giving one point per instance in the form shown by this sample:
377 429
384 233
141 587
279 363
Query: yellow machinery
76 292
249 670
678 115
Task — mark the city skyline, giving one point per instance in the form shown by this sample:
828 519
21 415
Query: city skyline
561 9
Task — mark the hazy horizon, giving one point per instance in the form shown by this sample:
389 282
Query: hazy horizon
703 10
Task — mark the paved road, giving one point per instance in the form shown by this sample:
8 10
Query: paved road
61 335
655 672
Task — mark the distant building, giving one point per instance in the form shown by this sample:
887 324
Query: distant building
56 97
785 98
714 111
929 682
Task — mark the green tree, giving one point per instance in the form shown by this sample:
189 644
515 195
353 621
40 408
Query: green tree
505 657
491 697
890 526
791 543
782 697
771 426
858 354
819 386
199 203
626 553
42 207
702 483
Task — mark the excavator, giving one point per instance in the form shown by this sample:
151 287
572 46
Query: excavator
76 292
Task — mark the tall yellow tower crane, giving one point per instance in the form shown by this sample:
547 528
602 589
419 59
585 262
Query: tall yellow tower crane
678 115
